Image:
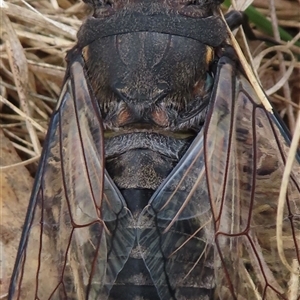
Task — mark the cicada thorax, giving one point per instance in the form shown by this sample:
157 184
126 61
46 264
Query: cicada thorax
147 84
148 66
153 89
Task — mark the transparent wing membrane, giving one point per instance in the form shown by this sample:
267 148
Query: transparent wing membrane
175 231
245 153
69 251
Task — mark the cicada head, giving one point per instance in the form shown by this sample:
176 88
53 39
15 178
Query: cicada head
148 56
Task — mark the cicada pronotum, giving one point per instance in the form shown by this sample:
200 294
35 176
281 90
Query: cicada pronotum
162 169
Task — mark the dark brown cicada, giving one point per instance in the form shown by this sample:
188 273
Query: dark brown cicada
161 171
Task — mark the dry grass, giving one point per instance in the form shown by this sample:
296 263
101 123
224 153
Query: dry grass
35 37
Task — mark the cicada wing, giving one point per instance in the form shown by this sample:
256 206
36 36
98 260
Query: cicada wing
66 247
245 154
175 231
120 236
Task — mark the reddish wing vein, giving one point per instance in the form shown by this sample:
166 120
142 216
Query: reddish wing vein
245 158
69 242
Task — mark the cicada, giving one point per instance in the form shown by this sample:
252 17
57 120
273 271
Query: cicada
161 170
